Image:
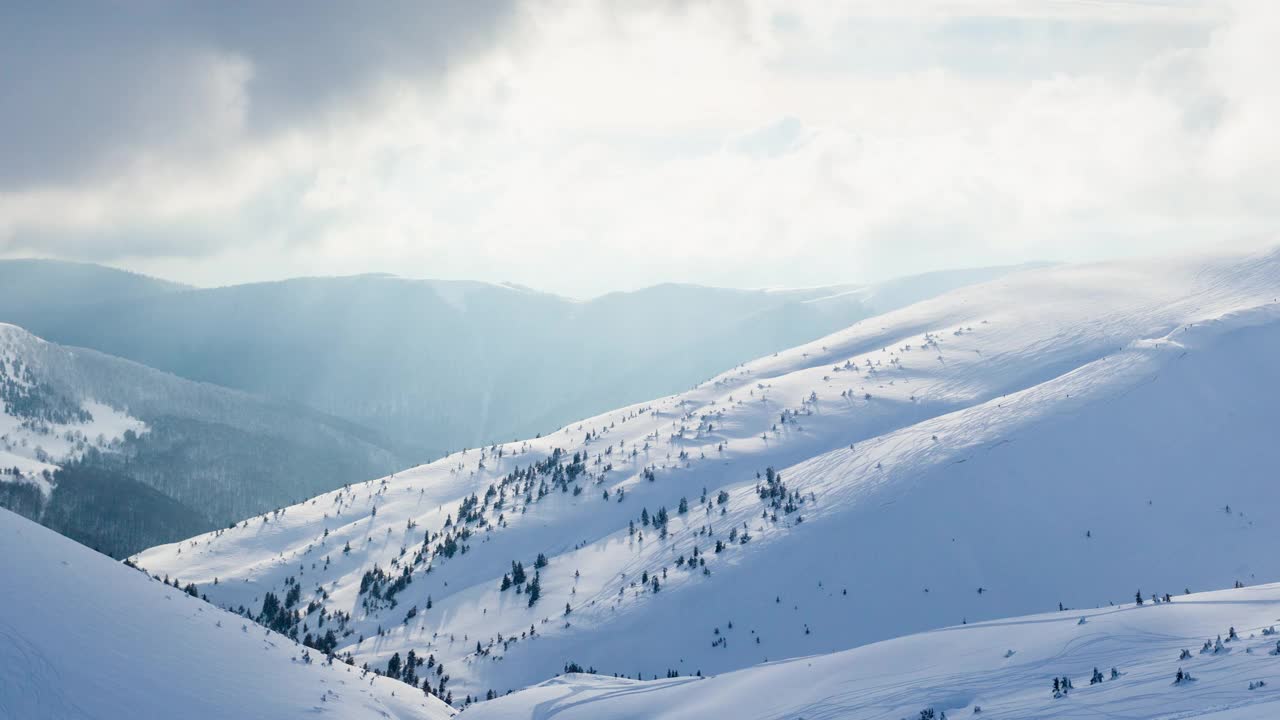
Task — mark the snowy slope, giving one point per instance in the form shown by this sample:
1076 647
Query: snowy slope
999 669
1064 435
82 636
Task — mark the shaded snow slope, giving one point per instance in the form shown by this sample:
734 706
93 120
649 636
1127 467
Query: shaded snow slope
84 637
1005 668
1064 435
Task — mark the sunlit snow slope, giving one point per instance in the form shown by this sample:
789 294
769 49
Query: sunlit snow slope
999 669
1065 435
82 637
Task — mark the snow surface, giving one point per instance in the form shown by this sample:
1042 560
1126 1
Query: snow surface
1063 435
84 637
1005 667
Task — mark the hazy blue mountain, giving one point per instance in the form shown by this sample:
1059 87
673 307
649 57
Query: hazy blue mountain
38 291
437 365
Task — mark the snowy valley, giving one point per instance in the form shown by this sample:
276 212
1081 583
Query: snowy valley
1054 440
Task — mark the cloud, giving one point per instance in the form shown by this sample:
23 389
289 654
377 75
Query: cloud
581 146
91 87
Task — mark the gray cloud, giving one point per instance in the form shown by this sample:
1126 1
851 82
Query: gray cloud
87 86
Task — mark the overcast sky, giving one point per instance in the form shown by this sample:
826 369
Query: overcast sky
585 147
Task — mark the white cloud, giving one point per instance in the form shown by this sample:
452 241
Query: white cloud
598 146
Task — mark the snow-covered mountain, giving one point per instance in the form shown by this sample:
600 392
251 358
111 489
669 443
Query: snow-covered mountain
41 427
121 456
1000 669
1057 438
84 637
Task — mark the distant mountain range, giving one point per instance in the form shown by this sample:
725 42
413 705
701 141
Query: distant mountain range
437 365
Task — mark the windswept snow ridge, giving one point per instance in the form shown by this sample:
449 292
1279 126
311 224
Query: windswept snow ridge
83 637
1060 437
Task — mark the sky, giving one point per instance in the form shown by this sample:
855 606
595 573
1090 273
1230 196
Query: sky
584 147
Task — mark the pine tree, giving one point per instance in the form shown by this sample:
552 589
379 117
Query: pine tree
409 673
535 589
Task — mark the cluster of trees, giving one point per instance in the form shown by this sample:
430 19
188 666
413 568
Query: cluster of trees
521 581
1062 686
658 520
774 493
1155 598
378 588
279 615
407 671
